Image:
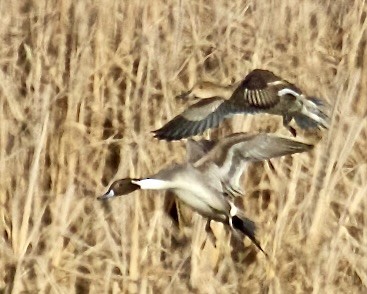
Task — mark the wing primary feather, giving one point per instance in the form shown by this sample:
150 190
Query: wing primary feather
258 100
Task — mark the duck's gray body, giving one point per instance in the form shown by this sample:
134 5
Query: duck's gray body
201 191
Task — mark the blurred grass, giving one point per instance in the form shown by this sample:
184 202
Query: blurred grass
82 84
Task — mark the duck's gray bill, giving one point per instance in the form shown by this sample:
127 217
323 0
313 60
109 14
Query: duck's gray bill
183 95
109 194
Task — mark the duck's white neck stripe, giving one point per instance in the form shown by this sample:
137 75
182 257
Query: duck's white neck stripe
234 209
110 194
152 184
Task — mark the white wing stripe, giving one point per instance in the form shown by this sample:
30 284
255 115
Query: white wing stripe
286 91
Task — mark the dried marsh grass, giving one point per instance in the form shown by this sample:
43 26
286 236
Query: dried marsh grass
82 84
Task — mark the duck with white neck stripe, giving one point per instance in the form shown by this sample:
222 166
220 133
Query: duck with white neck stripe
212 172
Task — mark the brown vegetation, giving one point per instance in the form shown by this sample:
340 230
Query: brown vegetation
82 84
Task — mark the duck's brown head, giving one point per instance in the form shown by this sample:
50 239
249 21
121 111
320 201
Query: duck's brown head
119 188
206 89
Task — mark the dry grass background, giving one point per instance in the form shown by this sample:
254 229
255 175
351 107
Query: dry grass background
82 83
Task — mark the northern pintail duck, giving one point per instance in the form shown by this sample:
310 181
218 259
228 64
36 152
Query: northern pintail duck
212 174
260 91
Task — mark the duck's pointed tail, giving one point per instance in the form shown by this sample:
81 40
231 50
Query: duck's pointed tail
247 227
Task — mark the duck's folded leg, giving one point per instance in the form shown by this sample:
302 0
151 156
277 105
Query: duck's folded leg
286 120
210 236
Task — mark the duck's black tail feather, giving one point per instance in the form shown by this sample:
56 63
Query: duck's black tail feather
248 228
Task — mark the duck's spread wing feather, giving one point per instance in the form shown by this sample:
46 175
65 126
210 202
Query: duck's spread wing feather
254 100
205 114
231 153
266 146
261 90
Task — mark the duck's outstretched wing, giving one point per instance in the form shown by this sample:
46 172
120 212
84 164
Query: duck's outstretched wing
231 153
205 114
262 146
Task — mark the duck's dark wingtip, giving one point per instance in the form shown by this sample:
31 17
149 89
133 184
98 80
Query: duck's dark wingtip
167 135
161 136
157 133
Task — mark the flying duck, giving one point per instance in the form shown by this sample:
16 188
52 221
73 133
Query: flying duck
260 92
211 176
